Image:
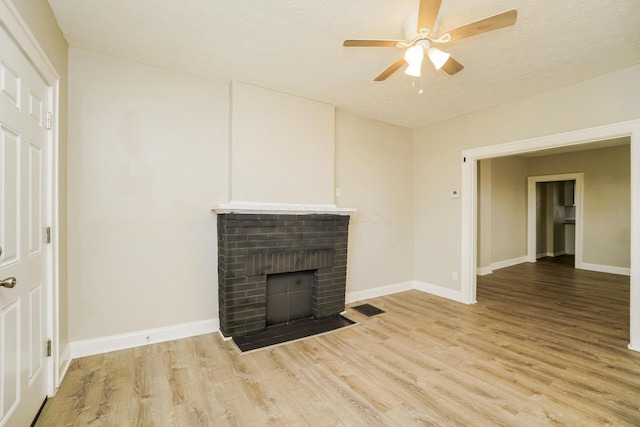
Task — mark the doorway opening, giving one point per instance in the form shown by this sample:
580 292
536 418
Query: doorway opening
565 141
555 220
554 216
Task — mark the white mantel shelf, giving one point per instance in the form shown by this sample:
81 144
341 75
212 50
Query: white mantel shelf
280 208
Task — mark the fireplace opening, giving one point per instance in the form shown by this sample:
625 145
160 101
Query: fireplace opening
289 296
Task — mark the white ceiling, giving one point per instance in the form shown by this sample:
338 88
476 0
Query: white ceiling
295 46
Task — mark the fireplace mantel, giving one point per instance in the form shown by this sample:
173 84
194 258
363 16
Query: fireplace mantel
280 208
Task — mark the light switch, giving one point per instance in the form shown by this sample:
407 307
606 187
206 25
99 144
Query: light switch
455 194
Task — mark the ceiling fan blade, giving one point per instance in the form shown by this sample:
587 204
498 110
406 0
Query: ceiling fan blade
392 69
427 14
370 43
452 66
491 23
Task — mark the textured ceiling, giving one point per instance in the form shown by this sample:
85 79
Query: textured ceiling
295 46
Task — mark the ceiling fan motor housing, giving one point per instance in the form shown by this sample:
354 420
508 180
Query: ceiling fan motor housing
410 28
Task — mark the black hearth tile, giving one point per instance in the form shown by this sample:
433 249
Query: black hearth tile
368 310
278 334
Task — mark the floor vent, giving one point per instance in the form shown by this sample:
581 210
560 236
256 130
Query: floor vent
368 310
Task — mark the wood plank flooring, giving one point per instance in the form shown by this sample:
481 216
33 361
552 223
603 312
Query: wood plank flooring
545 345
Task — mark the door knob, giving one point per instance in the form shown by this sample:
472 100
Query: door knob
9 282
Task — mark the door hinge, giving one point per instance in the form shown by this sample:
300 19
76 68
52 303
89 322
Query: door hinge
48 348
49 119
47 232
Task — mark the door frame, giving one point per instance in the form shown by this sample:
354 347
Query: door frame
470 158
17 28
531 212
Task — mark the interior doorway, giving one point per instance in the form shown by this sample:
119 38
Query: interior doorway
470 158
554 216
555 219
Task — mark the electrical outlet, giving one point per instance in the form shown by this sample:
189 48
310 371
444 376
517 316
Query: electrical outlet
454 275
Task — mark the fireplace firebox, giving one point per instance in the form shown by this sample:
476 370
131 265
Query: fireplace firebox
289 296
287 258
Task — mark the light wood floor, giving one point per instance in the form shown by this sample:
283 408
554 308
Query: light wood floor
544 345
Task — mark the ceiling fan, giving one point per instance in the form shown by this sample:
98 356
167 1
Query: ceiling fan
420 33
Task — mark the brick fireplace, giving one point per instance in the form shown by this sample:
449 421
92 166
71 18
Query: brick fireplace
253 246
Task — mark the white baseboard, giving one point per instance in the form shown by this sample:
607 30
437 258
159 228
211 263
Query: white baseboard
508 263
151 336
378 292
542 255
483 271
631 347
382 291
63 363
438 291
606 269
139 338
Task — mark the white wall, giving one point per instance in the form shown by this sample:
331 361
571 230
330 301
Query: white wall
375 175
282 147
610 98
147 159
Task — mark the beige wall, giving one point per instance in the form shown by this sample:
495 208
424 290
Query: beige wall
610 98
541 219
508 208
147 159
282 147
551 191
43 25
606 203
557 219
484 215
607 222
374 174
148 156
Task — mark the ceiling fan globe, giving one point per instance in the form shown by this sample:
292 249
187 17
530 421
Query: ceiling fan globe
414 56
437 57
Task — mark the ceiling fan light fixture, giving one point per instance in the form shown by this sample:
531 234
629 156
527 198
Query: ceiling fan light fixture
437 57
414 56
422 28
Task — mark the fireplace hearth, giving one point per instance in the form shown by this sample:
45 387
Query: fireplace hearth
306 255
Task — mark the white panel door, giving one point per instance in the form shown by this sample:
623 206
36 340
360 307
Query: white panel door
23 159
